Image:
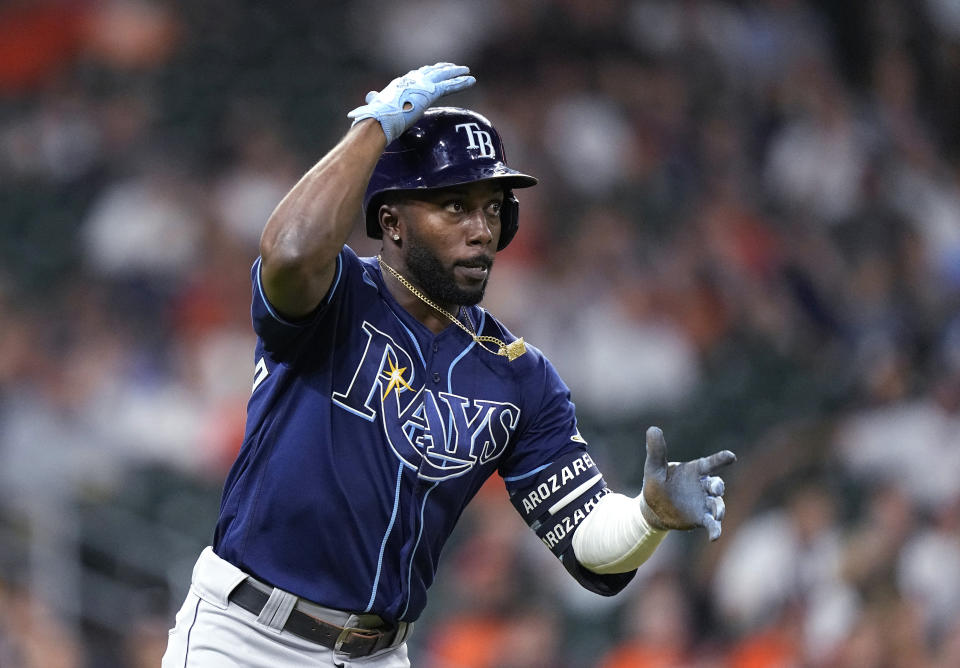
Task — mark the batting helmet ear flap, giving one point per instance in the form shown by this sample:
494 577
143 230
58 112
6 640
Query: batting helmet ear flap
509 218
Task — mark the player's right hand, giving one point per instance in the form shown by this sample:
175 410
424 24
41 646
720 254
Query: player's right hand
683 495
403 101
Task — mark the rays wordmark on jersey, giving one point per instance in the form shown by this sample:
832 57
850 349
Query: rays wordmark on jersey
440 434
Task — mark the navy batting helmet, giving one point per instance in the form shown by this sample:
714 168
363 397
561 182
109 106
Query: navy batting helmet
448 146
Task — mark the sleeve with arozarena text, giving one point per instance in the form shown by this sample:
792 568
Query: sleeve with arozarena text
552 479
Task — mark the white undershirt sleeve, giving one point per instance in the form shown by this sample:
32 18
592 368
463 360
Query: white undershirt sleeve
615 537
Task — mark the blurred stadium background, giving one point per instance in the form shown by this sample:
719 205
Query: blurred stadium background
747 232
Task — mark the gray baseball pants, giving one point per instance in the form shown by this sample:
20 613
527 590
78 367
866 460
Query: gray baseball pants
213 632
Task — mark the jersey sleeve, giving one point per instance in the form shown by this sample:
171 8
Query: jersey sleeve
276 332
553 481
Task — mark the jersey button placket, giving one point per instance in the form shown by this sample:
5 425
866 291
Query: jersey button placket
436 375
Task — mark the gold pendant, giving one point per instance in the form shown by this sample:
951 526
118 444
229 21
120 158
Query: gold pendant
513 350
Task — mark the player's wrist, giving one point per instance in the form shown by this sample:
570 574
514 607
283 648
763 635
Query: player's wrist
369 127
649 515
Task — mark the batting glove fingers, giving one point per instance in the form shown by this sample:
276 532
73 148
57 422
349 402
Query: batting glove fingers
712 485
404 100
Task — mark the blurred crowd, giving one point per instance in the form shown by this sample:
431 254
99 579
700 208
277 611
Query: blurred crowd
747 231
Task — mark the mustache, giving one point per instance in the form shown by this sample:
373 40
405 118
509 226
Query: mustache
478 261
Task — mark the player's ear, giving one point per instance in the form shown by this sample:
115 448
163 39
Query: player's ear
389 217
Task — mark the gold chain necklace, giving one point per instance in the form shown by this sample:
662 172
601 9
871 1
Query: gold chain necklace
511 350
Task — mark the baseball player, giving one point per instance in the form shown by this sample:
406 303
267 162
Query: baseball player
383 398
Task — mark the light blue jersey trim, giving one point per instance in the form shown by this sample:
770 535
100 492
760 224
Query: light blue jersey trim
413 553
450 384
336 279
514 478
266 302
457 359
413 340
386 536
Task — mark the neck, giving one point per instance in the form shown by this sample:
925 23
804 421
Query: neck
413 304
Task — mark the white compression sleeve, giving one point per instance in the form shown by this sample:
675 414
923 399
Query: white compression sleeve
615 537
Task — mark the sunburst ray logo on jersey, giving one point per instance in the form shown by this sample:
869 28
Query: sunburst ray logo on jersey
395 378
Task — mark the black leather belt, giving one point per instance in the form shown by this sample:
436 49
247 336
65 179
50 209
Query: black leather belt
354 642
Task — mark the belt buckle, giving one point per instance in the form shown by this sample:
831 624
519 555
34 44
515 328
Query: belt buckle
366 634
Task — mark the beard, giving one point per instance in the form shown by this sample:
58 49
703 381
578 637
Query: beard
437 281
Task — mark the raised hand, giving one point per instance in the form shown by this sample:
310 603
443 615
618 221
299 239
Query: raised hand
404 100
683 495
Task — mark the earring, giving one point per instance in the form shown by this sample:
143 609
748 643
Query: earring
396 237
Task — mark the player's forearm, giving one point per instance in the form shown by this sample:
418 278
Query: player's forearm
306 231
615 537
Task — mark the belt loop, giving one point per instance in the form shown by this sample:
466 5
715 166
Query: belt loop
405 630
277 608
342 638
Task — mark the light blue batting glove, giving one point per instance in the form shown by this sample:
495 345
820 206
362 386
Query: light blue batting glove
682 495
403 101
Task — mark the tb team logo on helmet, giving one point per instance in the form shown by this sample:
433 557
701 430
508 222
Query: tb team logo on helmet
479 139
